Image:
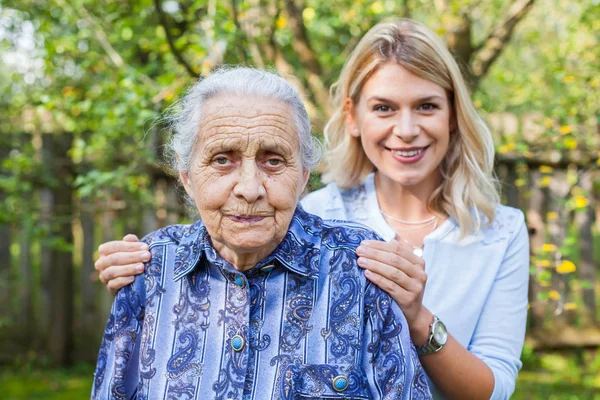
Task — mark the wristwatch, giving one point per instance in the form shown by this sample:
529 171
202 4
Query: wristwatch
438 335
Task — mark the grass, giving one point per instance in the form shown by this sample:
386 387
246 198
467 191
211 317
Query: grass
549 376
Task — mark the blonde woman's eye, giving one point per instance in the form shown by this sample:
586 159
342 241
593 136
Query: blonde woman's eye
428 107
382 108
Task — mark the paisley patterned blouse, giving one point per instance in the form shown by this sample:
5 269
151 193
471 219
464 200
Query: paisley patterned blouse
303 323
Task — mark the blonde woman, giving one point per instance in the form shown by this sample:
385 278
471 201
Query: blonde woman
408 156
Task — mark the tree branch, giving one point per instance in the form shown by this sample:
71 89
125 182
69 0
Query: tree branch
101 37
162 18
301 45
487 51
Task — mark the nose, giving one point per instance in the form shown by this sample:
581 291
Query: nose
406 127
250 185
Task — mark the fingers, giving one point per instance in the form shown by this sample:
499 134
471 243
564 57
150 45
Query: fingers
114 285
395 275
398 293
115 273
117 246
121 259
395 246
395 257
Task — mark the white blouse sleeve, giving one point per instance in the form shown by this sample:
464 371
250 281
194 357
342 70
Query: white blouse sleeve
499 336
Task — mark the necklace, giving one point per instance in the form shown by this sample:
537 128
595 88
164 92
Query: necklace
422 222
418 250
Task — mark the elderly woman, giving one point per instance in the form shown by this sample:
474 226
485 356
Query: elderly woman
258 299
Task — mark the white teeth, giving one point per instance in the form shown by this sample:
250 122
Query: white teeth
410 153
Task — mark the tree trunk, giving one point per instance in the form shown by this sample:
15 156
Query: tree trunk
60 283
557 228
584 220
46 197
535 223
5 241
89 323
25 315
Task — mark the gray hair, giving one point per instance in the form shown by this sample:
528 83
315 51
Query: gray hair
235 81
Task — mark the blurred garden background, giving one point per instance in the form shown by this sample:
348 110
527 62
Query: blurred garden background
83 84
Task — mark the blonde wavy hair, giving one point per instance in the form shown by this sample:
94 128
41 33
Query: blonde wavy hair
469 188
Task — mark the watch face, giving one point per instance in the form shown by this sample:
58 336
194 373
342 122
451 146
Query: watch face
440 334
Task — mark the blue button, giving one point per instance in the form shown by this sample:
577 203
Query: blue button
237 343
340 383
239 281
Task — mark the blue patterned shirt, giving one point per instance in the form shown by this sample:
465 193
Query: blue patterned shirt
302 323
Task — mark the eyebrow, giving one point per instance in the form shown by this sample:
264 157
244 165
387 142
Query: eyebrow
419 100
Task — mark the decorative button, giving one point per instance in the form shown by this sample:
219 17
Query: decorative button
340 383
239 281
267 268
237 343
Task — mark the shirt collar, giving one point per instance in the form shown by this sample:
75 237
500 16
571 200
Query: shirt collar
299 251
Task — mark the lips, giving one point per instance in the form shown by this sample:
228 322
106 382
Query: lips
408 155
246 219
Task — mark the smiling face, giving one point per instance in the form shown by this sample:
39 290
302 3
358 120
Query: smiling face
404 123
246 175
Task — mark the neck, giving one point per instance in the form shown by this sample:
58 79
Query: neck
409 203
241 260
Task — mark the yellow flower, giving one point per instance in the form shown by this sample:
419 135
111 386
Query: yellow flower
544 283
566 129
570 143
581 202
595 82
570 306
519 182
548 247
377 7
546 169
566 267
308 14
281 22
552 215
548 122
569 78
503 149
554 295
543 263
545 181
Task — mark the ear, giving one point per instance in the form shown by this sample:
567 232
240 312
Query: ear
305 178
187 183
351 124
184 177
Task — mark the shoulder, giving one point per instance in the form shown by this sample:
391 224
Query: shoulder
507 223
346 233
323 201
334 202
172 234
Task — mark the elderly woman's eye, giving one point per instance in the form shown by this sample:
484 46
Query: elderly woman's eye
274 162
221 161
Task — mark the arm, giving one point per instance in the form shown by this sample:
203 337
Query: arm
389 357
116 375
120 261
488 368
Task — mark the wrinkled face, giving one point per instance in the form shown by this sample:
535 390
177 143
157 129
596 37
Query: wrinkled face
246 175
404 123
